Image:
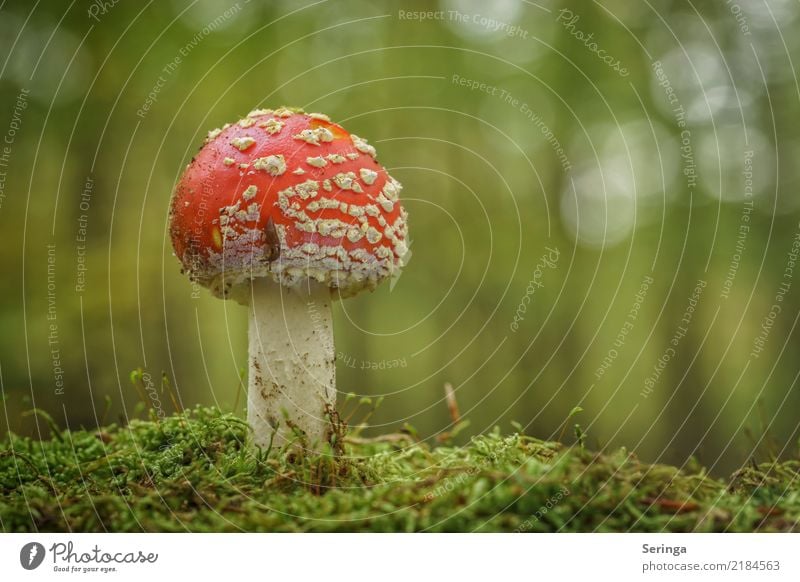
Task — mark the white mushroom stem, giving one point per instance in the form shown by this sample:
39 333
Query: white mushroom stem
292 377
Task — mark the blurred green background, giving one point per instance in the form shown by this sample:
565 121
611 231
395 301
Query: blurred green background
514 127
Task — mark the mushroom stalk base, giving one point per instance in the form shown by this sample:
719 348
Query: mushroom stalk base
292 379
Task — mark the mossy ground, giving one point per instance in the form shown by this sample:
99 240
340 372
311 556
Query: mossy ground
194 472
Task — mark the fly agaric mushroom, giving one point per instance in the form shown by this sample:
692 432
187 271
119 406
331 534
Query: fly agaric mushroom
285 211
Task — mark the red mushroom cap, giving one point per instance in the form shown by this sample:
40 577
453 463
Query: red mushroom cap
288 195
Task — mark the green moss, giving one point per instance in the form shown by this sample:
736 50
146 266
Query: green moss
193 472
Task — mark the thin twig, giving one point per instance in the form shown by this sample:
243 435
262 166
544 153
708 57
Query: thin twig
452 405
